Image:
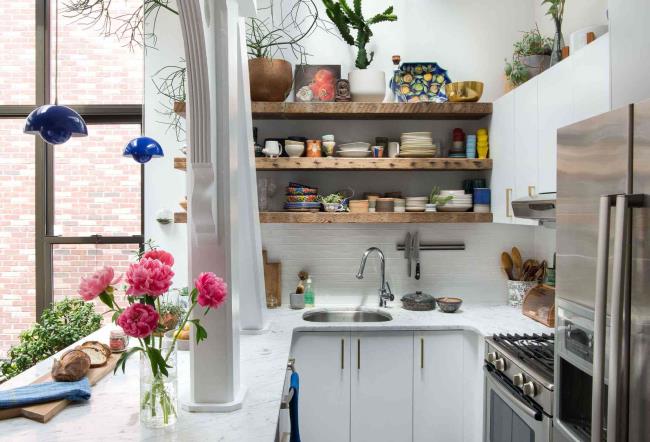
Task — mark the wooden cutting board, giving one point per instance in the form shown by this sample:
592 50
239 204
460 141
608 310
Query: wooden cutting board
44 412
272 282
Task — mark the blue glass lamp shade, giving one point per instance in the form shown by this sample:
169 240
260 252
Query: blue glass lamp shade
55 124
142 149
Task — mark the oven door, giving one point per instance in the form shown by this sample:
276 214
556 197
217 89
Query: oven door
508 416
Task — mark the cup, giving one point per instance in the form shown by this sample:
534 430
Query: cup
272 148
328 148
393 149
482 196
314 149
377 151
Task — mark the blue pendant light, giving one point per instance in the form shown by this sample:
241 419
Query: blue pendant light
142 149
55 124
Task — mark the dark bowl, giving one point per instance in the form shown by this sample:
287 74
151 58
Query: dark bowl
449 305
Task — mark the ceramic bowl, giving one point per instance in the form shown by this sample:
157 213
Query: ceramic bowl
449 305
464 91
301 191
359 146
301 198
294 150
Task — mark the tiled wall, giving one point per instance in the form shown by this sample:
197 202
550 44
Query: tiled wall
331 254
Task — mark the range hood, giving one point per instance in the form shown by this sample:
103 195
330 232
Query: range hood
540 207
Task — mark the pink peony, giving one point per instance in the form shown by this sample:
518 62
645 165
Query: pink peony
160 255
149 277
212 290
138 320
95 285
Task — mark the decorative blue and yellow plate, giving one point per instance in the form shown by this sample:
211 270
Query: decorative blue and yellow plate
420 82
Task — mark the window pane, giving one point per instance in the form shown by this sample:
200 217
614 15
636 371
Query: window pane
17 291
96 189
71 262
95 68
18 54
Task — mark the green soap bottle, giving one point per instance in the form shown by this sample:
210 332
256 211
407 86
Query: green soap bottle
309 293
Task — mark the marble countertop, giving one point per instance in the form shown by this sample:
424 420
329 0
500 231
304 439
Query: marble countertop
112 412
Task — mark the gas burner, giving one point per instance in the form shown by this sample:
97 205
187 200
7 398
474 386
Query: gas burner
535 350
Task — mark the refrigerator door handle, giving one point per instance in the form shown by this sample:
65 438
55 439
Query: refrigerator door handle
600 314
624 203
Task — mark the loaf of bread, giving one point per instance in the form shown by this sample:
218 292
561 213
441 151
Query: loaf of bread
97 357
99 346
72 366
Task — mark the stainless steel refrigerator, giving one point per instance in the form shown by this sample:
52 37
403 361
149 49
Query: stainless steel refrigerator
602 362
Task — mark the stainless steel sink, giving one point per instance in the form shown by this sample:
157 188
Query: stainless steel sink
331 315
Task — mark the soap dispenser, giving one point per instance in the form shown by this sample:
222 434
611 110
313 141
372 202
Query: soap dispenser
310 297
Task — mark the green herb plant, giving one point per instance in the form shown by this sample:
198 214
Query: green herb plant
435 198
347 18
333 198
516 72
61 325
532 43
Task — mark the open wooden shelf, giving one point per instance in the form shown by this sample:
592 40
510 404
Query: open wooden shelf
370 111
336 163
180 217
372 218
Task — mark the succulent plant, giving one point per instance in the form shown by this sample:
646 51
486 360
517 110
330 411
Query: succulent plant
347 18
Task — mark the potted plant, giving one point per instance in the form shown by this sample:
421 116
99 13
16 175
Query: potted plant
365 84
334 202
516 74
531 56
436 200
282 29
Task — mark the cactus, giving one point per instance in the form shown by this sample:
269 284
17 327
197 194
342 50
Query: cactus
346 19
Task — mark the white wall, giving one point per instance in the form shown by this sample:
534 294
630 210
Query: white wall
164 185
578 14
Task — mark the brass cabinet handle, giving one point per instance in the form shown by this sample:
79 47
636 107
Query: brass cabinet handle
421 352
342 356
358 354
508 198
531 191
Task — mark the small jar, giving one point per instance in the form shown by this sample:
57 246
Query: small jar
118 341
314 148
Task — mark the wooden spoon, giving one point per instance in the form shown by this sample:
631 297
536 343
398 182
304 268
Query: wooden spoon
506 265
517 262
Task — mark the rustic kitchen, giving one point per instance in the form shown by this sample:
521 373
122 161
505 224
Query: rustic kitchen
325 220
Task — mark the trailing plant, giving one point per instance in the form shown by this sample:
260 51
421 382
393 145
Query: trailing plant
61 325
532 43
170 81
347 18
435 198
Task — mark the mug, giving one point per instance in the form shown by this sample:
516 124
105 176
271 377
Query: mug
272 148
377 151
313 148
393 149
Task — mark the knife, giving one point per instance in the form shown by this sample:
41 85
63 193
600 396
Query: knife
407 252
416 254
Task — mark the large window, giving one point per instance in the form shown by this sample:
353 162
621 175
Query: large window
64 210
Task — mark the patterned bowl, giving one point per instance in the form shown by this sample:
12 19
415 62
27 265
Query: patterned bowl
417 82
301 198
301 191
449 305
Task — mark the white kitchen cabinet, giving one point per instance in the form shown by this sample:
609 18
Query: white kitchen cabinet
555 110
438 386
591 80
502 152
381 387
526 139
323 363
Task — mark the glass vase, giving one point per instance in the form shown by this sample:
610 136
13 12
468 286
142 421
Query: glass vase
558 43
159 393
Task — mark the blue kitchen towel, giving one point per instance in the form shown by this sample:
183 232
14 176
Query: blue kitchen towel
293 407
45 392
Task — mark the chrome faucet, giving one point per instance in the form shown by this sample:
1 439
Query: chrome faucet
385 293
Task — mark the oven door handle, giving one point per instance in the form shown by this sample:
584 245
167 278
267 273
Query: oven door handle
513 398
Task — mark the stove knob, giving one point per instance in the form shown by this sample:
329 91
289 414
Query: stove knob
529 389
491 357
518 380
500 364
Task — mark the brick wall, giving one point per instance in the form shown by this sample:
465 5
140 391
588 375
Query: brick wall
97 190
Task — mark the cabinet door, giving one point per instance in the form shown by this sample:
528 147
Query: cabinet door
555 111
526 142
502 152
438 387
591 80
382 387
323 363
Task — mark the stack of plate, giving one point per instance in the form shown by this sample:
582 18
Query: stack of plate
461 202
354 150
416 203
417 145
301 198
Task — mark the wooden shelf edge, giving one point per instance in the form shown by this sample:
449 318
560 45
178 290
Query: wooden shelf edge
180 163
337 163
370 111
373 218
179 108
180 217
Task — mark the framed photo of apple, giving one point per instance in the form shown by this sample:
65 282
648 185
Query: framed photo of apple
316 83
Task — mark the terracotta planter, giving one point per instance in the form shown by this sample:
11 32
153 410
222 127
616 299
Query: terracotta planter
270 79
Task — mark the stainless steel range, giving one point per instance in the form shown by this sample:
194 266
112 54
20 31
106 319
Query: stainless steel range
519 388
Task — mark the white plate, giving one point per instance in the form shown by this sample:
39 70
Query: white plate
356 145
354 154
416 134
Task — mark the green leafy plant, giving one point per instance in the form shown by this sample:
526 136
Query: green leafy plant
516 72
170 315
61 325
333 198
435 198
532 43
347 18
555 9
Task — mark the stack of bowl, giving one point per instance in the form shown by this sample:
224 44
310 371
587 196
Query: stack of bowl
294 148
461 202
301 198
416 203
358 206
399 205
354 150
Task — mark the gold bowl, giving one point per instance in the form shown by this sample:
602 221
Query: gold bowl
464 91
